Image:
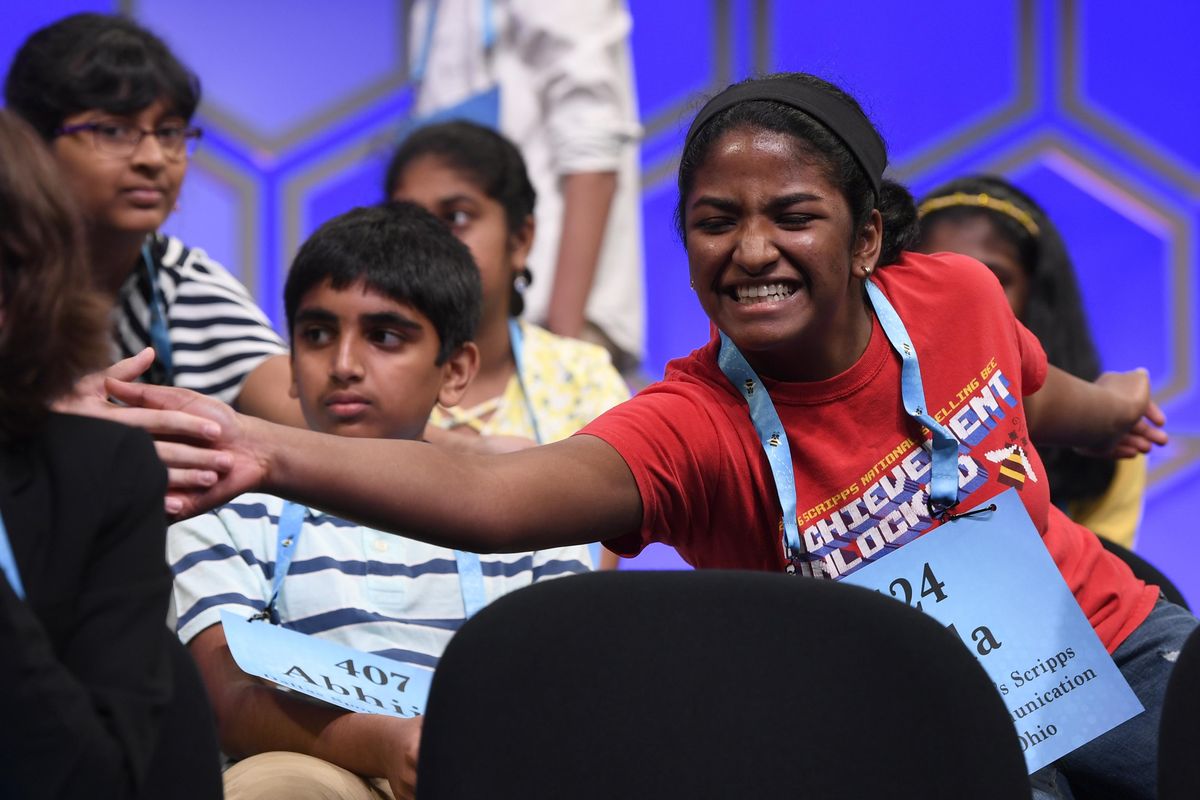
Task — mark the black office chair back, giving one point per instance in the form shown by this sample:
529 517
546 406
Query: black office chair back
712 684
1179 730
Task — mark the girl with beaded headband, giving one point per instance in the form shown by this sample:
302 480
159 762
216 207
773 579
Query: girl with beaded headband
989 219
791 234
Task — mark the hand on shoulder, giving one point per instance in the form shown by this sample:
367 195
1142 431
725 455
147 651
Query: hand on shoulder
89 398
211 456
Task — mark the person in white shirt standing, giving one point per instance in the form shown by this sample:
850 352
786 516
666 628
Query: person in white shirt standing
566 97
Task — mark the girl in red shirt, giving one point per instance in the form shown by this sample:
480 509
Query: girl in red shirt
788 226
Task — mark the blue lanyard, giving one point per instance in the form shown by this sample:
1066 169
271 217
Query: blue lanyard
516 340
943 494
422 64
8 563
160 336
944 474
291 520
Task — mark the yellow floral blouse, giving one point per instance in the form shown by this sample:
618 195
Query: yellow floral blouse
570 383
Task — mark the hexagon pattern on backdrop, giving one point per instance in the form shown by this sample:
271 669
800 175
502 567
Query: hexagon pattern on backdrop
278 71
302 96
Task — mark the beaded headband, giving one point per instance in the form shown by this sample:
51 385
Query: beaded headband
843 120
980 200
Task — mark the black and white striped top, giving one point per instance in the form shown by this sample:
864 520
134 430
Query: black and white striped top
218 334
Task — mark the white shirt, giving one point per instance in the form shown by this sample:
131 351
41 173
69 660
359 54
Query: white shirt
567 100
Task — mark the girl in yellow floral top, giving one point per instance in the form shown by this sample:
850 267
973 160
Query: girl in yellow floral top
531 383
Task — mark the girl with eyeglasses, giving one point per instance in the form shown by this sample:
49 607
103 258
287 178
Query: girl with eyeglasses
116 106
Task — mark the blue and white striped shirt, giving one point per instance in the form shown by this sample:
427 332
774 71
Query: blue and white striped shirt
365 589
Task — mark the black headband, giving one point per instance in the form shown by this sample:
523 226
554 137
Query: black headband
845 121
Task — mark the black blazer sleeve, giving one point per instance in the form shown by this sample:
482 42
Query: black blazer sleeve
83 658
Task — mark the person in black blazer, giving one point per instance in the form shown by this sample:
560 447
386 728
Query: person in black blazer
95 701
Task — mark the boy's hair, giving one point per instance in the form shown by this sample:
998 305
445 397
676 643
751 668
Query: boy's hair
399 250
102 61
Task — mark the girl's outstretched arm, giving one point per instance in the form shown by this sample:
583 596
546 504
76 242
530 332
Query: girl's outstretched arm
569 492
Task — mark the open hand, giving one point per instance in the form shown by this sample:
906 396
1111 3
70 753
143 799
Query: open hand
90 398
206 466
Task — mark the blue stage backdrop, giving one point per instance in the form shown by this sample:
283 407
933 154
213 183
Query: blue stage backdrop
1088 105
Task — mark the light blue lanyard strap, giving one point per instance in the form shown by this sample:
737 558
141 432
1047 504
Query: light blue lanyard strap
160 335
944 480
422 63
8 563
489 24
470 580
516 340
943 485
774 441
291 520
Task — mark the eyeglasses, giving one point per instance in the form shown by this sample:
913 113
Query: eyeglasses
121 141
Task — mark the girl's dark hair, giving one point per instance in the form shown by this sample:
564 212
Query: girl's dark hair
492 162
399 250
102 61
1053 312
814 141
55 325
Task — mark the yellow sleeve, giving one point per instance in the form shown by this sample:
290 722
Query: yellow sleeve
570 382
1115 515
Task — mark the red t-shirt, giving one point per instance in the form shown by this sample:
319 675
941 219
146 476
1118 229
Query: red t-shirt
861 470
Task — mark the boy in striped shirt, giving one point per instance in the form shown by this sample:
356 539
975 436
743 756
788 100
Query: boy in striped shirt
382 303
